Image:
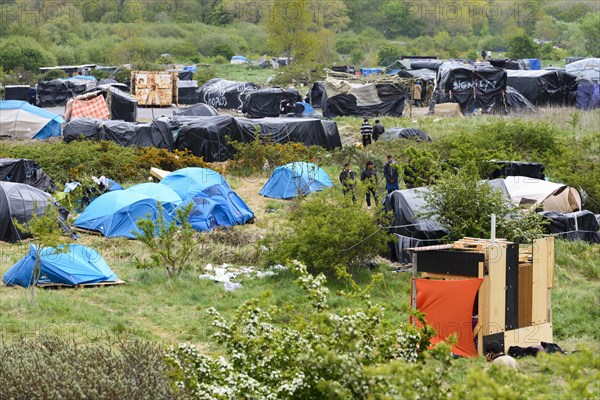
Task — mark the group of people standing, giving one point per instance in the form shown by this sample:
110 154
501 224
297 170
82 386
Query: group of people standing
418 94
370 179
371 133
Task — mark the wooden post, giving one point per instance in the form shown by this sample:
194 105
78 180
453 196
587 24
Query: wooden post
414 286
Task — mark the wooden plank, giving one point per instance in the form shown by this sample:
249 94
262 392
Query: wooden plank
528 336
431 275
539 286
52 285
87 231
550 261
159 173
525 294
496 290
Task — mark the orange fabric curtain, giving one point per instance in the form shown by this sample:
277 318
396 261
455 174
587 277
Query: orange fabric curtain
448 307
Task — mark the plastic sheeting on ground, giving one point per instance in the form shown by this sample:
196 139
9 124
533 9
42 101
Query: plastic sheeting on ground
518 168
227 272
221 93
29 172
19 202
405 133
21 120
315 95
290 180
516 102
76 265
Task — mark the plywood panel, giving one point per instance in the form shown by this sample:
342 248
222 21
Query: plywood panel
550 261
539 286
525 294
528 336
495 297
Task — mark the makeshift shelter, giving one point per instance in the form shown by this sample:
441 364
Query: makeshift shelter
293 179
74 266
587 69
580 225
221 93
55 93
479 86
20 202
197 110
115 213
588 95
316 94
405 133
530 192
426 64
240 60
424 74
29 172
514 286
122 105
342 97
518 168
370 71
215 204
268 102
21 120
188 92
85 128
516 102
90 105
545 87
507 63
399 65
205 137
410 229
152 134
168 198
16 92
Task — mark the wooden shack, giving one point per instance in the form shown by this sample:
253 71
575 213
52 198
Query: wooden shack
154 88
513 302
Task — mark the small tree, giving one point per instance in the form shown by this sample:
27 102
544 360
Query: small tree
522 46
171 244
46 233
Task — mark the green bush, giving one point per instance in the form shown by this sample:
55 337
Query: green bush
53 74
55 368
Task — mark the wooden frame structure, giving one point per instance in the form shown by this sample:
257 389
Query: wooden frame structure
155 88
514 301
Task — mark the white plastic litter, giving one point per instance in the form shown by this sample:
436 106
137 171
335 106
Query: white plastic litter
227 272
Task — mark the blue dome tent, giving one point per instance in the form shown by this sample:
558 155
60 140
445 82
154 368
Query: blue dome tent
21 120
286 181
168 198
78 265
225 207
114 214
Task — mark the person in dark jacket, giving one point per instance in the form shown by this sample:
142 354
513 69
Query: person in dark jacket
369 177
391 175
366 130
347 181
378 130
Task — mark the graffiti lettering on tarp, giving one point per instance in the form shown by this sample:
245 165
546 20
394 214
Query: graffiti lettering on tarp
483 84
215 94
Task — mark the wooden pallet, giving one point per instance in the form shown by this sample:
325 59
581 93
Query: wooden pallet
87 231
82 285
475 244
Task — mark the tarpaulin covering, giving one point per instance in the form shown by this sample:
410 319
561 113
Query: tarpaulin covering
197 110
205 137
185 75
406 205
115 213
16 92
580 225
340 98
122 105
21 120
534 64
405 133
516 102
85 128
518 168
221 93
187 92
88 107
508 64
29 172
545 87
423 74
427 64
588 95
20 202
448 308
167 197
267 102
474 86
289 180
315 95
587 69
151 134
525 191
56 92
73 266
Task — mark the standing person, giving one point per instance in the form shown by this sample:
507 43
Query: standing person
369 177
366 130
495 355
378 130
417 94
347 181
391 175
429 93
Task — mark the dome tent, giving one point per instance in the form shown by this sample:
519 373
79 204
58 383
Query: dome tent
77 265
20 202
215 204
286 181
21 120
167 197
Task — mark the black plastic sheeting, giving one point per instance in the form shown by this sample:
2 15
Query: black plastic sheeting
187 92
424 74
185 75
197 110
16 92
405 133
392 98
426 64
410 231
151 134
316 94
580 225
29 172
265 103
19 202
221 93
474 86
516 102
546 87
56 92
205 137
508 64
518 168
122 105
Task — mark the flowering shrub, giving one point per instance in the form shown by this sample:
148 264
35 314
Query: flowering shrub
327 355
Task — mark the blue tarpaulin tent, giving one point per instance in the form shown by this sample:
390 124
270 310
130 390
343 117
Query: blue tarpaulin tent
534 64
79 264
167 197
369 71
21 120
224 208
588 95
115 214
286 181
